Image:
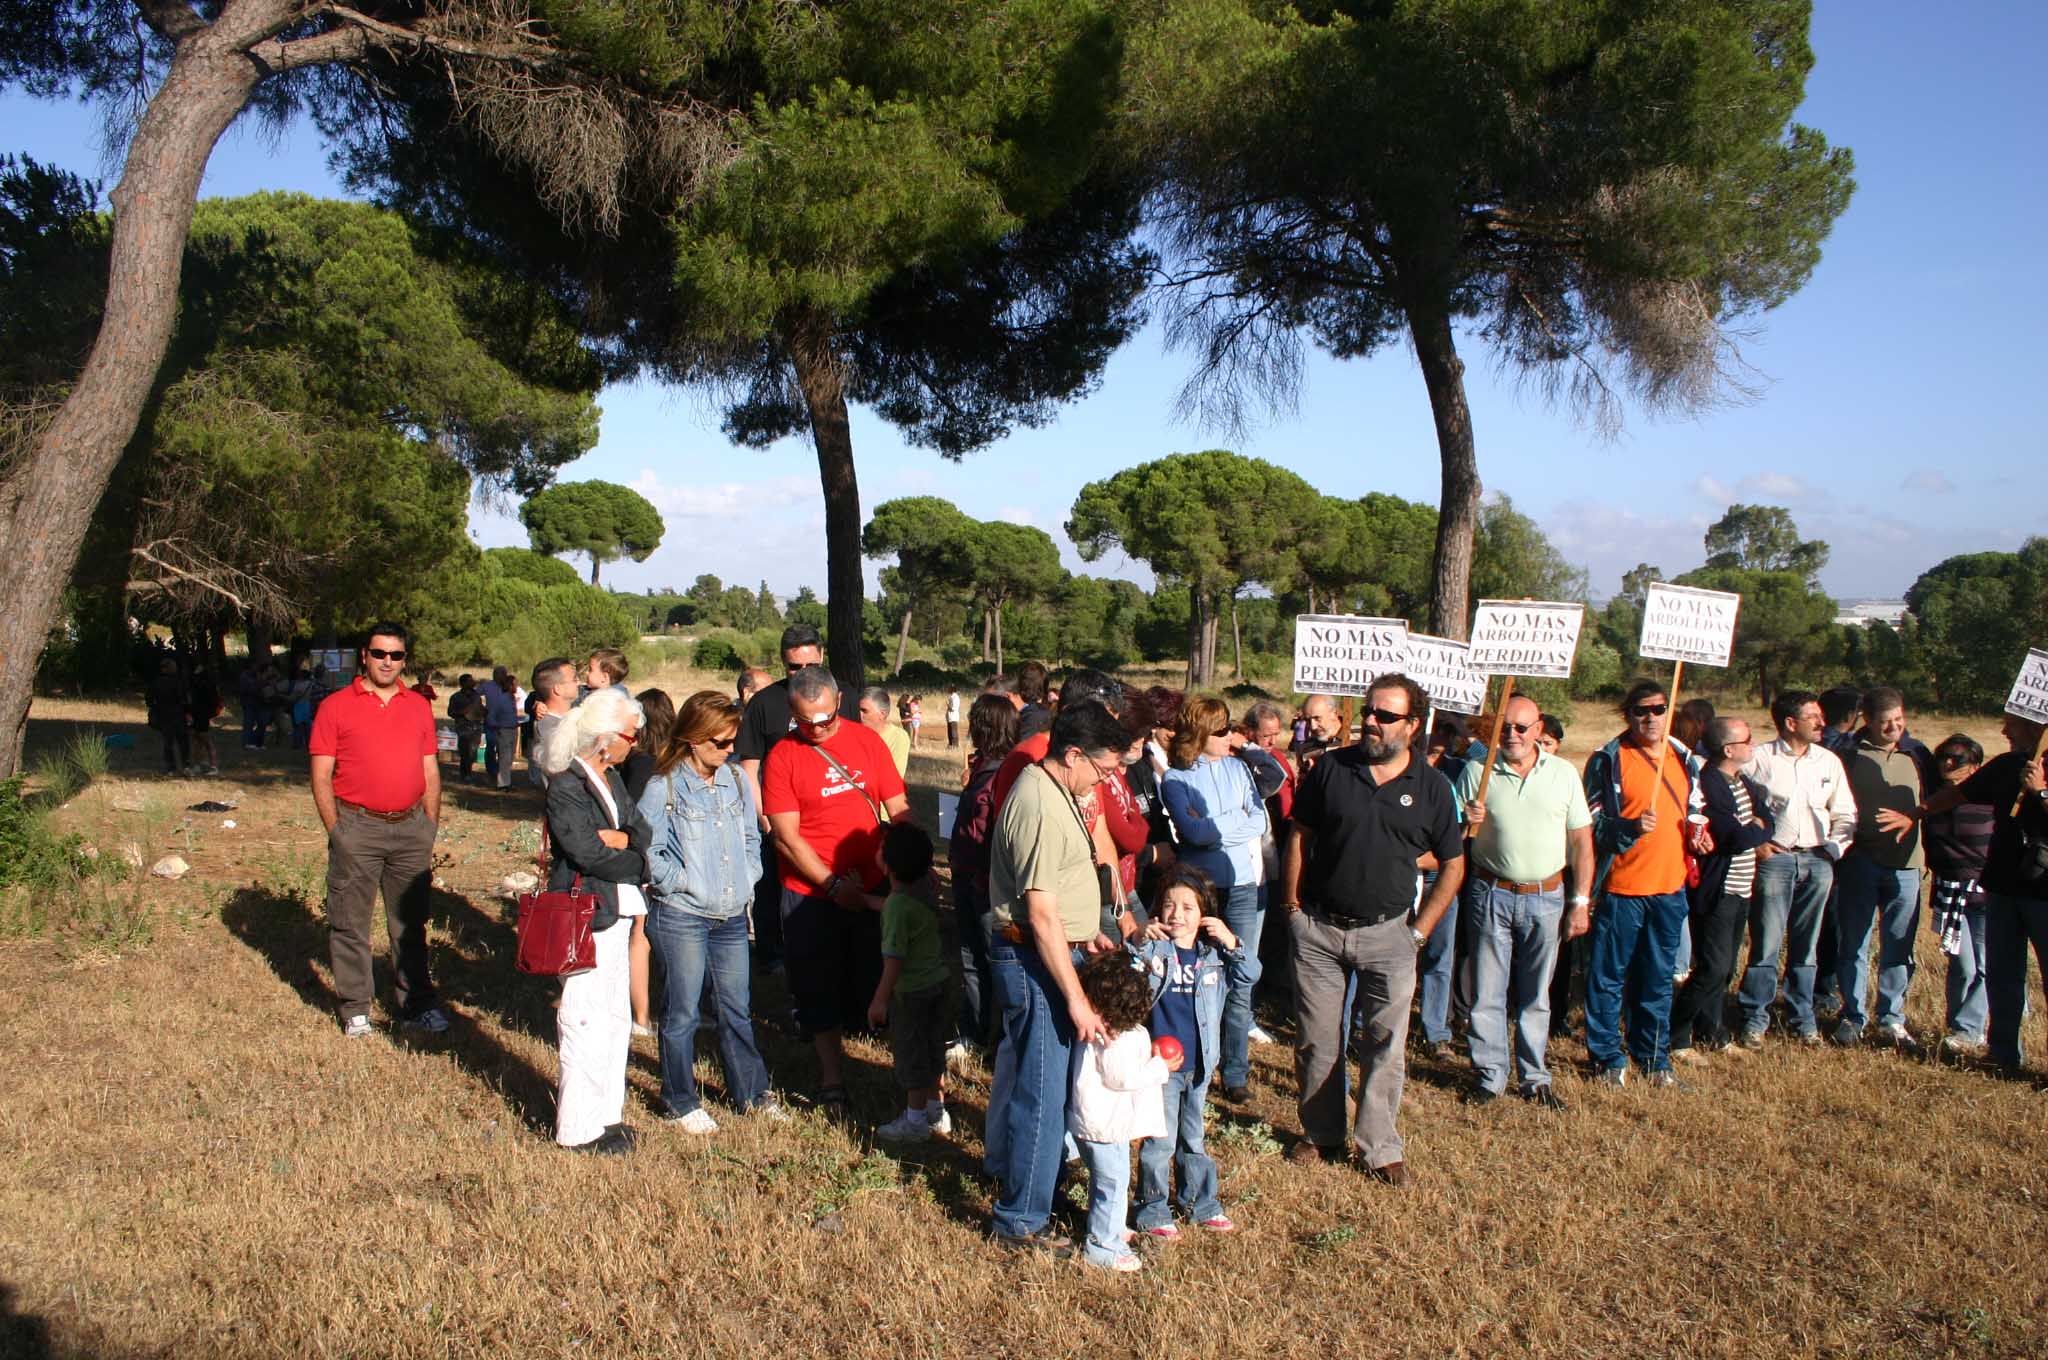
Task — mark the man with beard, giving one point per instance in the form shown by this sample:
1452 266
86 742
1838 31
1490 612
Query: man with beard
1363 816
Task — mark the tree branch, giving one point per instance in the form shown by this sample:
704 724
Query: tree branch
172 18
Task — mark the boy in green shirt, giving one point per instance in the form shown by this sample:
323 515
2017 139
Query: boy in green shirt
914 979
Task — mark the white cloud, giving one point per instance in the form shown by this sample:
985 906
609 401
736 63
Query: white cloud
1777 485
1714 490
1016 514
1928 482
724 499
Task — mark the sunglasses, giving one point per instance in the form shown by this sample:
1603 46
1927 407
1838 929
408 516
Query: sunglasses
379 654
1649 710
1518 728
1384 716
1955 760
724 743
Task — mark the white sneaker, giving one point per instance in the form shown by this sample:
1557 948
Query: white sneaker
1258 1036
641 1031
958 1052
940 1123
429 1021
356 1027
772 1110
905 1128
698 1120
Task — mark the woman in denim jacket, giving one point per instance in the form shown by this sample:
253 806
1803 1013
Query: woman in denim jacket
1216 796
702 863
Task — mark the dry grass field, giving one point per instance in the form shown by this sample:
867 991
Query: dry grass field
193 1162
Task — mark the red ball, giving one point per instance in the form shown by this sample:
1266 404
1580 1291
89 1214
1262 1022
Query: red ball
1167 1049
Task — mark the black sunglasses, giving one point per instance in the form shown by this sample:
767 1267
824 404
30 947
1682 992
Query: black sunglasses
379 654
724 743
1649 710
1518 727
1384 716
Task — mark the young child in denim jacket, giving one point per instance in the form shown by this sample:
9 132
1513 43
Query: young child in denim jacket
1116 1101
1189 963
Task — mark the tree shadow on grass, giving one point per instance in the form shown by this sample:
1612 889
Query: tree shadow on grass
290 935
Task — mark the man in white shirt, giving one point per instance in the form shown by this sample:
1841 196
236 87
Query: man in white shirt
952 718
1816 818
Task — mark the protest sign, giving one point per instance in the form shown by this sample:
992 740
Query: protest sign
1681 623
1439 666
1525 637
2030 688
1344 654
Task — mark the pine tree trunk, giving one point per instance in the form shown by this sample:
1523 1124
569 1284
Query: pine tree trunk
1211 625
824 389
988 633
1195 680
903 642
1236 641
46 504
997 610
593 568
1443 373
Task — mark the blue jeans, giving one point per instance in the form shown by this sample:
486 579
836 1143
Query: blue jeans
692 949
1038 1044
977 984
1184 1148
1109 1190
2011 924
1245 914
1967 1002
1634 942
1514 944
1433 966
1791 888
1888 901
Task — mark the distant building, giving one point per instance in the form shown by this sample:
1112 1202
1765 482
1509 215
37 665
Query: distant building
1863 613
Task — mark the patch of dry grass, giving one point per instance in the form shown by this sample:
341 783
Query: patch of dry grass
196 1163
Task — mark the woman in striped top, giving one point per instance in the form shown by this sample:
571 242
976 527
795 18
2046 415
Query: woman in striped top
1739 820
1957 842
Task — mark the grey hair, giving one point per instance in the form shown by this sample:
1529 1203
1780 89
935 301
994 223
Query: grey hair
602 715
1262 710
1720 731
1326 700
812 682
876 695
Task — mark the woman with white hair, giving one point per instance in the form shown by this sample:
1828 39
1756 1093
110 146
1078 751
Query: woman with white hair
599 842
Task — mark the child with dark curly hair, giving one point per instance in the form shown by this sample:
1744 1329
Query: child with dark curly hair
1117 1099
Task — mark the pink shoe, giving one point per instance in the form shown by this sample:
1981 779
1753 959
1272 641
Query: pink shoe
1220 1223
1165 1232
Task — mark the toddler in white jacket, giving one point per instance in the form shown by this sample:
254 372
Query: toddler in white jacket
1118 1098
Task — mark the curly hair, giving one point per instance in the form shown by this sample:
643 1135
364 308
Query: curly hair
1117 991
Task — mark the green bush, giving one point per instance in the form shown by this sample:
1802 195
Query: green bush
716 654
33 857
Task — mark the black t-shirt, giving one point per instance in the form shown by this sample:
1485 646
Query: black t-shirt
1997 782
1368 836
767 720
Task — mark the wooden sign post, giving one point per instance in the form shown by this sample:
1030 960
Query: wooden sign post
1520 637
2029 700
1681 624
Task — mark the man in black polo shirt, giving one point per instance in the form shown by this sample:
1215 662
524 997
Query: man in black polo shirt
1364 817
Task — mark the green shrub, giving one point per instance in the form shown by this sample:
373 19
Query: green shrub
715 654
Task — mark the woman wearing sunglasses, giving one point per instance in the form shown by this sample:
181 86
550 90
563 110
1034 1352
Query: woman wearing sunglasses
703 859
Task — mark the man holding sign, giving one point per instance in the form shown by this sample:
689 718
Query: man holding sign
1641 787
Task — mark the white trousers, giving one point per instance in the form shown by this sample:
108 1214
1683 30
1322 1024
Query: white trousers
594 1030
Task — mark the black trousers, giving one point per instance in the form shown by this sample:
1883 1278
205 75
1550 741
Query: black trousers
1717 934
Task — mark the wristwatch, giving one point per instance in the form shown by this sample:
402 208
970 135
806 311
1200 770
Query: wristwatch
1417 936
1582 901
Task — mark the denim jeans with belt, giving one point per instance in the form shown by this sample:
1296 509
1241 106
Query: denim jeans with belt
1634 941
2011 925
1785 910
1038 1051
694 948
1514 939
1887 902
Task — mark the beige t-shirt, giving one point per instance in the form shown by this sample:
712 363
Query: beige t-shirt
1039 845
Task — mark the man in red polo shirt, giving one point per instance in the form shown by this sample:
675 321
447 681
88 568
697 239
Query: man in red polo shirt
377 785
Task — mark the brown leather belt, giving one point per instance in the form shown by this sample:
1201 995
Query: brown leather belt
1486 880
399 816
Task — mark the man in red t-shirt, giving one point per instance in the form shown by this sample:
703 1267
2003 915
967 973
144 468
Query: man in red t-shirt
826 790
377 787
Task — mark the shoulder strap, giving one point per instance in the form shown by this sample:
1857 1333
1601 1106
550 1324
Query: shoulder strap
860 789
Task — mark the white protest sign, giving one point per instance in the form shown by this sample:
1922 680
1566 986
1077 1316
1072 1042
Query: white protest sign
1439 666
1681 623
2030 689
1344 654
949 809
1525 637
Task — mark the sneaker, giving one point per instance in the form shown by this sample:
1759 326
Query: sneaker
1612 1076
1666 1079
615 1141
1044 1242
1751 1039
1443 1050
641 1031
432 1020
1844 1037
1962 1046
1123 1263
1165 1232
698 1120
940 1123
1543 1098
905 1128
1901 1038
1219 1224
1810 1037
1258 1036
772 1110
958 1052
1691 1057
356 1027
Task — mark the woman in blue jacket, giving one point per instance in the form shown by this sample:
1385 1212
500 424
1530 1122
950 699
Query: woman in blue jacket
703 858
1215 794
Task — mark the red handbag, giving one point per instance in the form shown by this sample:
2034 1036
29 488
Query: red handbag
555 939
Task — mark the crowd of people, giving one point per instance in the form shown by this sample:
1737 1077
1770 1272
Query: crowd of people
1116 857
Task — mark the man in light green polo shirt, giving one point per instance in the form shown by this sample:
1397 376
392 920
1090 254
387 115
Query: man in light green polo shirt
1534 818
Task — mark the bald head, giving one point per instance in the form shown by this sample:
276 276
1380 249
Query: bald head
1523 724
1323 718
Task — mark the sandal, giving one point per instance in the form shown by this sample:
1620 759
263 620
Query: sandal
832 1101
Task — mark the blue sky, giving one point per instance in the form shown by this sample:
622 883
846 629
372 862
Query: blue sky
1901 419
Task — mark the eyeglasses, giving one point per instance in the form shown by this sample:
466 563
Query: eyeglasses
822 720
379 654
723 743
1101 773
1384 716
1517 728
1649 710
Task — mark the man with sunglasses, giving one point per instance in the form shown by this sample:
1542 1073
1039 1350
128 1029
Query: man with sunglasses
1534 818
1640 805
1363 816
1814 818
377 788
826 793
